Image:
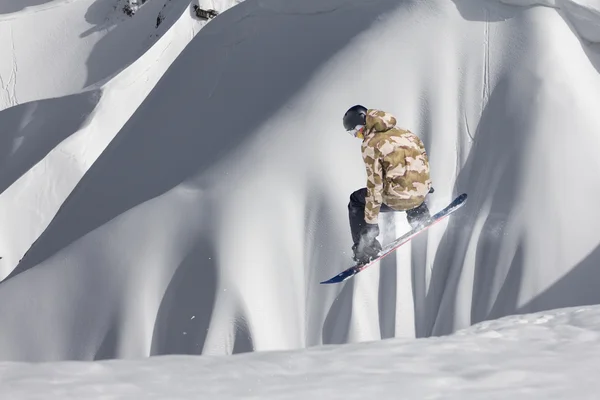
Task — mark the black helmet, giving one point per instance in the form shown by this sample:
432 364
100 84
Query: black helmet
356 115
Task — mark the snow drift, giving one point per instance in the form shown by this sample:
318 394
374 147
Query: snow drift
206 224
582 15
547 355
48 143
56 48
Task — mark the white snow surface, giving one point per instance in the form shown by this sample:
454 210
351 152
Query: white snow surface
183 189
549 355
582 15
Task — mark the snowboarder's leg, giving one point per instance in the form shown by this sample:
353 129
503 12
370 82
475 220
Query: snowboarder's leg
356 212
364 236
418 215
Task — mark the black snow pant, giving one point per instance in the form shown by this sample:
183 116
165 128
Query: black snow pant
356 211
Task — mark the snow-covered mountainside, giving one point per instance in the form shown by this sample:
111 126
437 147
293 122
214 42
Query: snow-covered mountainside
182 189
550 355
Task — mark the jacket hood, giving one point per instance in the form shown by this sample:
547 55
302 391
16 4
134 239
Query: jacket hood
379 121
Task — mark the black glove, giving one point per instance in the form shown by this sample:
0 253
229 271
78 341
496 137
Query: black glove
368 247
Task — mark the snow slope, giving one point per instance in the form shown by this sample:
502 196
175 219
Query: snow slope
539 356
49 143
206 224
56 48
582 15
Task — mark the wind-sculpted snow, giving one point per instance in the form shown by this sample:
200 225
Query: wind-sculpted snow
47 145
583 15
539 356
205 226
57 48
13 6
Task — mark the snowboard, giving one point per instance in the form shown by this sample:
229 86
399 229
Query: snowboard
457 203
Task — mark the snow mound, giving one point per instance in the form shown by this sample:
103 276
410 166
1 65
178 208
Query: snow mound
583 15
200 218
49 144
57 48
547 355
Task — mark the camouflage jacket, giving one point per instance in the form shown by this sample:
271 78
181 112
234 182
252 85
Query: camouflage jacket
397 166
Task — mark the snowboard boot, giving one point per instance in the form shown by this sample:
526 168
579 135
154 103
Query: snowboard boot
363 254
418 216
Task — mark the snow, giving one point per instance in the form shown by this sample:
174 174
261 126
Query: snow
549 355
581 14
83 124
182 189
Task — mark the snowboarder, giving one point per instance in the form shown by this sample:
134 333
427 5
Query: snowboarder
397 177
205 14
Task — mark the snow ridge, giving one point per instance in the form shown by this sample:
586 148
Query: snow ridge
583 15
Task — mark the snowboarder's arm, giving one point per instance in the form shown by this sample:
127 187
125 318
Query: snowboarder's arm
372 159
